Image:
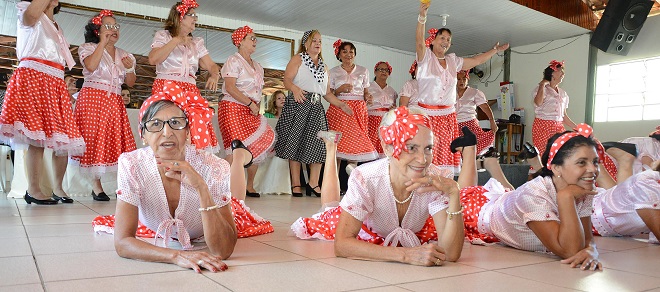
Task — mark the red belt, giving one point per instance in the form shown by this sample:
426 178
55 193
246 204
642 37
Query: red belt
382 109
436 107
46 62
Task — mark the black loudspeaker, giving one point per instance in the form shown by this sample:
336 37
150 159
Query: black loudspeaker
620 25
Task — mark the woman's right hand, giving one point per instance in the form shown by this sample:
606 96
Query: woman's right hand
197 260
299 94
577 191
425 255
344 88
104 37
185 40
543 83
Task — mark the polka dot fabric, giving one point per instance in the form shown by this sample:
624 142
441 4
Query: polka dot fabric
542 130
239 34
374 124
354 144
237 122
104 124
297 128
485 139
445 130
37 111
472 199
318 71
402 129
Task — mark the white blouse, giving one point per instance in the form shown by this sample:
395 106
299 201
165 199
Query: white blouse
437 85
183 62
554 104
249 80
359 78
409 90
466 106
110 73
383 98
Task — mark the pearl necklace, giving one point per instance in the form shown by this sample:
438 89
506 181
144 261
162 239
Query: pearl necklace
404 201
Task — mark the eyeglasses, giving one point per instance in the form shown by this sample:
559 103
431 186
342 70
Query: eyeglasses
195 15
253 38
383 70
156 125
112 26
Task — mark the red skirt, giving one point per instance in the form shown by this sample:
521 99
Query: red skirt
485 139
324 225
37 111
185 86
472 199
246 223
355 144
445 130
542 130
104 125
237 122
374 125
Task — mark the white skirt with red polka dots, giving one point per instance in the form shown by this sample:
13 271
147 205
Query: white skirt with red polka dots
355 144
445 130
37 111
485 139
103 123
237 122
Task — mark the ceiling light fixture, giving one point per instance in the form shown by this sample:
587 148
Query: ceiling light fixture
444 19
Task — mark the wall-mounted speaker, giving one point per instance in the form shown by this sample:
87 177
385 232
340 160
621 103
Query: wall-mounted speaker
620 25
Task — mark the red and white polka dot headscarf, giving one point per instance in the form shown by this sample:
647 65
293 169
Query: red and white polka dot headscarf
98 20
581 129
465 73
337 45
554 65
194 106
185 6
239 34
433 32
389 68
403 129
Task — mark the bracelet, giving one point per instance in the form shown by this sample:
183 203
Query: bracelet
130 70
450 215
212 208
421 19
495 48
249 104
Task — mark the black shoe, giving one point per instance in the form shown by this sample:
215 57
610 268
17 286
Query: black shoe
311 190
238 144
655 136
294 193
251 194
491 153
528 151
29 199
628 147
65 200
468 139
100 197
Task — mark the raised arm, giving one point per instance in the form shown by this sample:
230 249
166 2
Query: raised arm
540 92
471 62
34 11
420 45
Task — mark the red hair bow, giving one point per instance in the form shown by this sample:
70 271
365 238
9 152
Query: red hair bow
403 129
194 106
389 68
185 6
554 64
239 34
336 45
465 73
433 32
581 129
98 20
413 67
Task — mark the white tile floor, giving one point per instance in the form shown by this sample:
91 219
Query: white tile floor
53 248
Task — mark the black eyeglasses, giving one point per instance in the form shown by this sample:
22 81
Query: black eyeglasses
195 15
156 125
112 26
383 70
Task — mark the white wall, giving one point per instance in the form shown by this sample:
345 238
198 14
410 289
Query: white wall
646 46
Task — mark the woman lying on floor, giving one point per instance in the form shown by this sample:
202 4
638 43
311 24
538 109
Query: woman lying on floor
179 190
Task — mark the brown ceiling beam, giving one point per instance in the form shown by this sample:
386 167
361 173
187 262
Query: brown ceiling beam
572 11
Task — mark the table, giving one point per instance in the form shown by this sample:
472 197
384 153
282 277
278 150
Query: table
504 140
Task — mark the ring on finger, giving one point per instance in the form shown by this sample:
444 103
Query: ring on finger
176 164
200 262
438 262
430 180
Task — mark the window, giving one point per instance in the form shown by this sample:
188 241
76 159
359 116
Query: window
628 91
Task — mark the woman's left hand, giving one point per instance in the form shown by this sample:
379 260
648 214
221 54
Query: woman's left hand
181 171
347 109
586 259
212 82
432 183
254 108
501 48
369 98
127 62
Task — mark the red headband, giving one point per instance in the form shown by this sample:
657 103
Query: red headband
581 129
194 106
464 72
433 32
98 20
554 65
413 67
185 6
403 129
239 34
383 62
336 45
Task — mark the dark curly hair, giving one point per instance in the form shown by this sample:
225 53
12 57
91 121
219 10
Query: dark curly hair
341 47
547 73
91 33
440 32
566 150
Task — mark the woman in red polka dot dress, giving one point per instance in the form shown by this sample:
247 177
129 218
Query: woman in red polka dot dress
384 99
468 99
178 55
395 203
180 191
36 112
436 77
238 112
100 112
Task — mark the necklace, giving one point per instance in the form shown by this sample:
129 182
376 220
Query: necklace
441 58
406 200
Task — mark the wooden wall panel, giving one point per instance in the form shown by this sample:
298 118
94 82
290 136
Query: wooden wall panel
573 11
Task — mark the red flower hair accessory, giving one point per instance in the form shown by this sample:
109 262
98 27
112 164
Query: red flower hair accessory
98 20
403 129
581 129
389 68
554 64
185 6
433 32
336 45
194 106
413 67
465 73
239 34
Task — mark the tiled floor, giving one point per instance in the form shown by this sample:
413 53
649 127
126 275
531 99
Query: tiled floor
53 248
